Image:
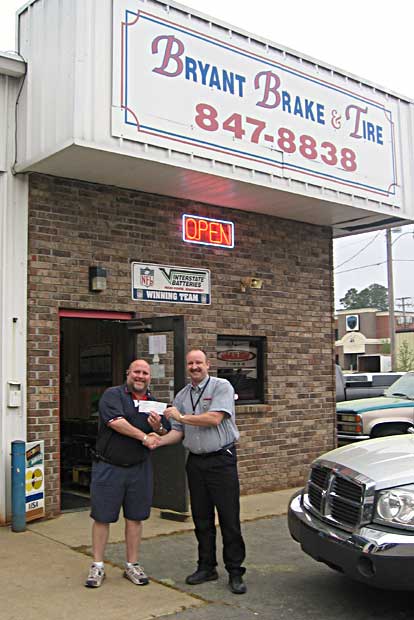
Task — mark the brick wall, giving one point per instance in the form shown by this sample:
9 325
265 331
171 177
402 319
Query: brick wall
73 225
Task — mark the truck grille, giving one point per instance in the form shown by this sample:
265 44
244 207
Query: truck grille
337 496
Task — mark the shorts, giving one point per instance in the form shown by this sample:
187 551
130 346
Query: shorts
113 486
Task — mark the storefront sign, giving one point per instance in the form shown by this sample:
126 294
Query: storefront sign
354 343
206 231
206 91
163 283
35 484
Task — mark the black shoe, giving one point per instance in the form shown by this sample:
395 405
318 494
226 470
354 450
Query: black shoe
236 584
201 575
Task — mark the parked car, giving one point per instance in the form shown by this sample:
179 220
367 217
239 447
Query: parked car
367 418
356 513
350 386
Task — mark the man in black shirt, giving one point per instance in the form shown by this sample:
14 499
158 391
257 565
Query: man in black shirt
122 471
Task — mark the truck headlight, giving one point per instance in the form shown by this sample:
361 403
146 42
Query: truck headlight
395 507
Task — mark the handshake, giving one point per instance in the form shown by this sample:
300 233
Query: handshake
152 441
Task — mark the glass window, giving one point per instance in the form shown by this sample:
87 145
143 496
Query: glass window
240 361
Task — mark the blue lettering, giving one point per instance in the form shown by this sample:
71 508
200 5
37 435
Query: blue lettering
190 68
228 82
297 110
372 133
214 79
320 114
204 70
286 102
308 110
380 138
241 80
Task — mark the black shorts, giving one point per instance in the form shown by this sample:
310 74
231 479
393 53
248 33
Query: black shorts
113 486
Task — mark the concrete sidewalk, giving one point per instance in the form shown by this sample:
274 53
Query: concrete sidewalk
43 569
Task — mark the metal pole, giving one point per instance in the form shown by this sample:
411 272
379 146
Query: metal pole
391 301
18 472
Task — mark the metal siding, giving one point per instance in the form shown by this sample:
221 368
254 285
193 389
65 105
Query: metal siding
9 88
68 46
47 41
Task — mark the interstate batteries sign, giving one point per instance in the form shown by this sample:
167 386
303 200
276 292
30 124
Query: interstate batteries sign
163 283
182 83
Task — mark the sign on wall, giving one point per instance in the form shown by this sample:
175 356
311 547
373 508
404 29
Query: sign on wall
206 231
352 322
164 283
179 84
35 484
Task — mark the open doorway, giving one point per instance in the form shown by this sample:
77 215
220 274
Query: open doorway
93 356
95 351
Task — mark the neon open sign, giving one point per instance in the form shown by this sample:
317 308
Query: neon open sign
207 231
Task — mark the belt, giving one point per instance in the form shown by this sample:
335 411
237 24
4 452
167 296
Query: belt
222 450
98 457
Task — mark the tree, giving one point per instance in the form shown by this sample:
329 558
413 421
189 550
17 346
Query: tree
405 357
374 296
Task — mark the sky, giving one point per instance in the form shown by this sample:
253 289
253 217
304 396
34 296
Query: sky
369 38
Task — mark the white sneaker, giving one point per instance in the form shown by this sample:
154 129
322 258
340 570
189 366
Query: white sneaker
135 573
95 577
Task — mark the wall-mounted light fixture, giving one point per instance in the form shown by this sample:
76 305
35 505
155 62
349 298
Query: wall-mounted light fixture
246 283
97 279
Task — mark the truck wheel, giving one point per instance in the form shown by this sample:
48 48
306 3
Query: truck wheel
389 429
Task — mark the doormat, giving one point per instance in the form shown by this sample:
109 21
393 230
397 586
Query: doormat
73 501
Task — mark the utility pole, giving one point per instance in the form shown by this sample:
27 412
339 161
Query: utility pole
391 300
404 303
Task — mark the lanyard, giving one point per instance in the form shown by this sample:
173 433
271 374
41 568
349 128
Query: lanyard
194 405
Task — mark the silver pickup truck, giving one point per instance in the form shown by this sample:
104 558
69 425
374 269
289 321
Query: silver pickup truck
356 512
366 418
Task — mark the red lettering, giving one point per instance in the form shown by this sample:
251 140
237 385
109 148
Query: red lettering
174 49
228 240
188 235
271 86
358 112
210 232
215 230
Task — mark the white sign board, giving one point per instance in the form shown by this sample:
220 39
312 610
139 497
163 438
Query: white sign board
164 283
180 85
35 480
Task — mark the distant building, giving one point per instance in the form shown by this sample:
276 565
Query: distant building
366 331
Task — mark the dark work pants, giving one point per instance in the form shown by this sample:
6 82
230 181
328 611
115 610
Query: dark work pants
213 482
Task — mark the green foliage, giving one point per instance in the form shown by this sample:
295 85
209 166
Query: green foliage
405 357
385 347
374 296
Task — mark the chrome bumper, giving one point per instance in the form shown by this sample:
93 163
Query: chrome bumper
376 557
349 438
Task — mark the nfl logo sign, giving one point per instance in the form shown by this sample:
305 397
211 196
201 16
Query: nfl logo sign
147 276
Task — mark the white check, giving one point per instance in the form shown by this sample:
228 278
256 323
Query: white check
145 406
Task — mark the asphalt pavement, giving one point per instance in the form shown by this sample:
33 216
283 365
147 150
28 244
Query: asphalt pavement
42 572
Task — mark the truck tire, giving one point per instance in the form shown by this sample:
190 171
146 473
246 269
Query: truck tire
386 430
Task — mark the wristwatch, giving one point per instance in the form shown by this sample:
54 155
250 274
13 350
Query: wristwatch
161 428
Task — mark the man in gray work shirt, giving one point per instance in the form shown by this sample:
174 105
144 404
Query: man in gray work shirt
203 416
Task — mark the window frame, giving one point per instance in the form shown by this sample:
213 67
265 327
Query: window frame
260 343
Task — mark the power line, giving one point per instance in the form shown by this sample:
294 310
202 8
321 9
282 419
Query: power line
359 251
398 260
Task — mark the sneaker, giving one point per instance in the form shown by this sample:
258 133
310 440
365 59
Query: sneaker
95 577
135 573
